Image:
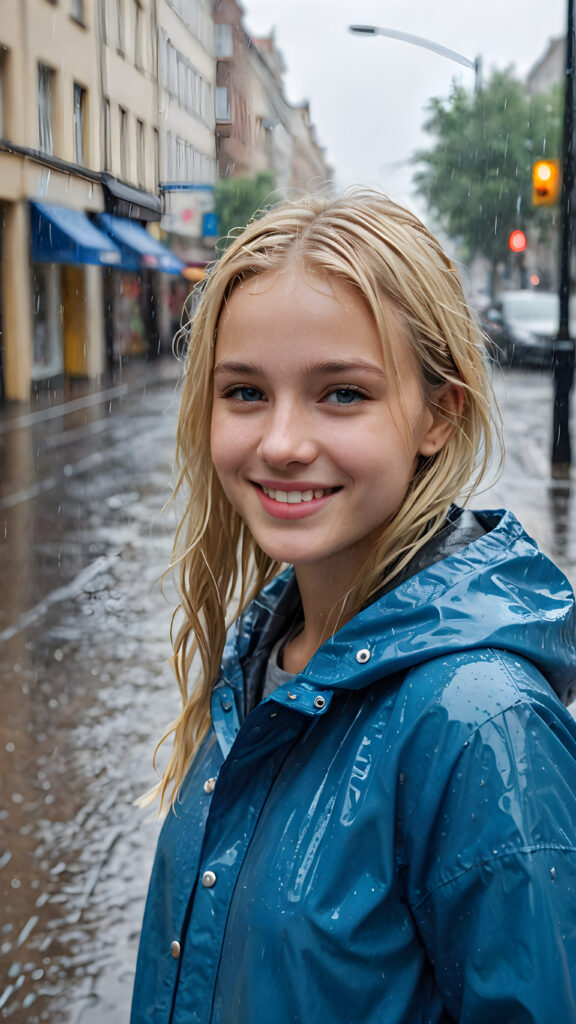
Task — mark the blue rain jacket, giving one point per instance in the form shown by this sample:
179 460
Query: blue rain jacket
391 837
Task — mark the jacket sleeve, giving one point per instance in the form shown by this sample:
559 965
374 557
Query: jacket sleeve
493 876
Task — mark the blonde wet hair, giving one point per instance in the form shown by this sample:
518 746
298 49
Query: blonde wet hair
386 252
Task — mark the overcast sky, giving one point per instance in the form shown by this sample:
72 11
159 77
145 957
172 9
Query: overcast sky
367 95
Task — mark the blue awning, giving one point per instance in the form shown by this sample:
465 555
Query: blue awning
139 248
61 235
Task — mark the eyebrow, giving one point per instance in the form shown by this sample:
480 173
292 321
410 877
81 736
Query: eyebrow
328 368
241 369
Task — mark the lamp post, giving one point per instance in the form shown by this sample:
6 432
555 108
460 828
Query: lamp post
563 344
427 44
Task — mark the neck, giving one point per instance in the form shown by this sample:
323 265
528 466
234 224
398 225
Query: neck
324 604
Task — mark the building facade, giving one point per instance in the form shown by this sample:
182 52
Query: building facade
84 145
116 119
187 89
50 141
549 69
257 129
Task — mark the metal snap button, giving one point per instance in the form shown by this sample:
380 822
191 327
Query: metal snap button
208 879
319 702
363 656
175 949
209 785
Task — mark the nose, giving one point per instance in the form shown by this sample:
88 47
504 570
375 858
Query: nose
287 436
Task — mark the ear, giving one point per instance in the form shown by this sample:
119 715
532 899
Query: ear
445 410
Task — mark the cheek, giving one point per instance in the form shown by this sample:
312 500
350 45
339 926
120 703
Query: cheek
218 445
227 444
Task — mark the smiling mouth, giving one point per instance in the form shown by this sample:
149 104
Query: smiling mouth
296 497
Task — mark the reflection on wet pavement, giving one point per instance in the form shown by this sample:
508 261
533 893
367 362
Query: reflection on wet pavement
546 507
86 690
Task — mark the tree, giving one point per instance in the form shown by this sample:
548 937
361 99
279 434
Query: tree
238 200
478 177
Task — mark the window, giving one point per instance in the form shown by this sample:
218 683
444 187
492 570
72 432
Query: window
3 91
123 143
45 108
141 153
80 123
137 34
156 142
78 10
223 42
184 82
107 136
184 162
222 103
197 16
48 349
120 24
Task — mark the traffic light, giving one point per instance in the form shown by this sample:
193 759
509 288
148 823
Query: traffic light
546 179
517 241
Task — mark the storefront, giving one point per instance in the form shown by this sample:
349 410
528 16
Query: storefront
66 246
65 243
132 290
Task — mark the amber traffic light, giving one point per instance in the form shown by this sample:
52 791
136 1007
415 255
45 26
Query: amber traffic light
545 182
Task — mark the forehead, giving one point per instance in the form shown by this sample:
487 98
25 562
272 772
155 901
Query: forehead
297 302
296 313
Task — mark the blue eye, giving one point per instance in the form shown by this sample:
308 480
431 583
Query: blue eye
344 396
244 393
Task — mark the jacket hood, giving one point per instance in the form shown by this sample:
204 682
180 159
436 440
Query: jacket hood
499 592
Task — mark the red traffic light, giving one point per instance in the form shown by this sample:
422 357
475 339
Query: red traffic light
517 241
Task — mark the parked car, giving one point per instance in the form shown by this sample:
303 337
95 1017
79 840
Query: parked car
521 326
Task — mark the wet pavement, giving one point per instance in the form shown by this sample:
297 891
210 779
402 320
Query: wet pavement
85 688
546 507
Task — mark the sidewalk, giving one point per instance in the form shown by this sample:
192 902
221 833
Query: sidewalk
81 392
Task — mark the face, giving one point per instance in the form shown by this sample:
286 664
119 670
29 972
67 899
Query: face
310 439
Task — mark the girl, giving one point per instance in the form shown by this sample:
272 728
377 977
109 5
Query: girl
373 785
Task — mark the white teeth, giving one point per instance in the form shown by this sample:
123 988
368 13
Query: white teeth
295 497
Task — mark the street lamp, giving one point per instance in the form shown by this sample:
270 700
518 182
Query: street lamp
427 44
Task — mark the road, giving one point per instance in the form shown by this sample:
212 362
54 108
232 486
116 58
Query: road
84 681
